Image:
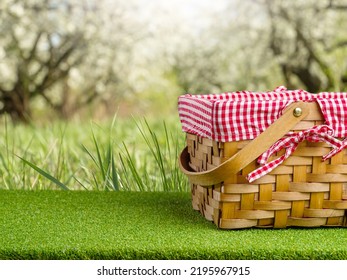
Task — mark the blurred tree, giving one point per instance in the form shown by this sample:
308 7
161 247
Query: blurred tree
71 53
309 40
260 44
228 53
194 58
110 69
196 68
51 49
39 43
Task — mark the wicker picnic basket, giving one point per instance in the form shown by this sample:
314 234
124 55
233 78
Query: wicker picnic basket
292 173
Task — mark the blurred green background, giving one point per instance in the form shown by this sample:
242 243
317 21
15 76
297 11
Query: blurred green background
78 59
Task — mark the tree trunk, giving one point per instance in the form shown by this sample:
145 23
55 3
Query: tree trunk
16 104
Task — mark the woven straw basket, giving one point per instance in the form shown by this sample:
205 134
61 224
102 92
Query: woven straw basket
303 191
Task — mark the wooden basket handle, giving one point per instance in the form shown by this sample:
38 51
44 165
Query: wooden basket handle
293 114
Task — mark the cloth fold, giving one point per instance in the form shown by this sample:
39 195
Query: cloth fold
320 133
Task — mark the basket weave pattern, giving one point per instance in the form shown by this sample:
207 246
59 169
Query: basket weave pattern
303 191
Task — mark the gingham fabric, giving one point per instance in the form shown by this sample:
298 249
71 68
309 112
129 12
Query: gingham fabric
243 115
321 133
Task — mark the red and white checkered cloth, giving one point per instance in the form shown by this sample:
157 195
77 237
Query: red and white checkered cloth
243 115
321 133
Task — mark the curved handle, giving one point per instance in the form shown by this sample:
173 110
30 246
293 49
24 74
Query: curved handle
293 114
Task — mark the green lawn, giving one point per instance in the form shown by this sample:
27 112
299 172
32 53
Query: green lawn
142 225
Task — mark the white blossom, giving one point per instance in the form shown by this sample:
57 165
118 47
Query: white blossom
16 9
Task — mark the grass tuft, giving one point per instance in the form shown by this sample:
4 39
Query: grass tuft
155 167
123 155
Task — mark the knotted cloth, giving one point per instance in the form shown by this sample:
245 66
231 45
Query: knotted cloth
321 133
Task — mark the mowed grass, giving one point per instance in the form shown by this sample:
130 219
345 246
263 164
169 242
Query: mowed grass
142 225
120 154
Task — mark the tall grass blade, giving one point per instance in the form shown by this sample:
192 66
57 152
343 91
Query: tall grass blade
156 151
80 183
4 163
126 177
45 174
90 154
133 170
98 153
95 182
115 181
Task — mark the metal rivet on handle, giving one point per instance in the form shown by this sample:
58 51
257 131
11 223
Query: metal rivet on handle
297 112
